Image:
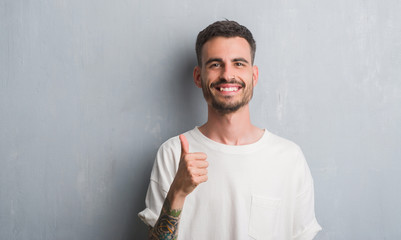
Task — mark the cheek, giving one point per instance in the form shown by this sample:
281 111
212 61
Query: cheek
206 80
213 74
204 83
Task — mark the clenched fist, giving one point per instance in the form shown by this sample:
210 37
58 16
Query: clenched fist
192 170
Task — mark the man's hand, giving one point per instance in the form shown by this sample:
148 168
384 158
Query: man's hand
192 170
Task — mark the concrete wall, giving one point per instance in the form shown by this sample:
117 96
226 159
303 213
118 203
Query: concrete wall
90 89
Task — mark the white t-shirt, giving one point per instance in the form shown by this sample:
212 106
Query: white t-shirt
262 190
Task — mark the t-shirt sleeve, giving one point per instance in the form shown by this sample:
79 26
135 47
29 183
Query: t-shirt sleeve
154 202
163 173
305 225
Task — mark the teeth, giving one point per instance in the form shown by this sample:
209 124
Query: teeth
229 89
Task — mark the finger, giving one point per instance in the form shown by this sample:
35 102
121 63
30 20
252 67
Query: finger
184 144
200 179
199 171
200 156
201 164
192 158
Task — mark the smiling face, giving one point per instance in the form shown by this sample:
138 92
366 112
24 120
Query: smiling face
226 74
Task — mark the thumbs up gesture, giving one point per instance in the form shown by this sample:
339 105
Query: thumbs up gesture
192 170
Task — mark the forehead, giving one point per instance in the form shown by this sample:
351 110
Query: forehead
226 48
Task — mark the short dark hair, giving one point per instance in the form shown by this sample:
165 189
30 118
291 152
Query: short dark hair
227 29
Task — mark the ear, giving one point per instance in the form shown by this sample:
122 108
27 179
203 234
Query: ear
197 77
255 75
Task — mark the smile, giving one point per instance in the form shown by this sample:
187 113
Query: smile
228 89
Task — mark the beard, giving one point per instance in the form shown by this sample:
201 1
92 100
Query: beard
227 106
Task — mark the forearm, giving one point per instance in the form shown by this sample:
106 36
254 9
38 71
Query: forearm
166 226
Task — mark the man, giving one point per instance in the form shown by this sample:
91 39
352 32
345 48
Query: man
229 179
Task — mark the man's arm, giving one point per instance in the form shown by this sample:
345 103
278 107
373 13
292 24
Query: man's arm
192 171
166 226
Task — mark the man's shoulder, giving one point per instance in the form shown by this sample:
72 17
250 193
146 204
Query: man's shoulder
174 143
171 143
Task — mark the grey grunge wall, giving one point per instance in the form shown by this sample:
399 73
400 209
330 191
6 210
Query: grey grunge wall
90 89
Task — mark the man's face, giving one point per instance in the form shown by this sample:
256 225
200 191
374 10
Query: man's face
227 76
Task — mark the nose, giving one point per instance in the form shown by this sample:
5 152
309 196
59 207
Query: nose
227 73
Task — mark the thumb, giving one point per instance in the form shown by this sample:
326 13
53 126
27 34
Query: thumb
184 144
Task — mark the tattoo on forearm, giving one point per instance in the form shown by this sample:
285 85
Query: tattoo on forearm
167 225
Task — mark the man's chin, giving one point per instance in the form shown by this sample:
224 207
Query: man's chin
225 108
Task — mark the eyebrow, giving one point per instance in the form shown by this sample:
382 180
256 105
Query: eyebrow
213 60
221 60
240 60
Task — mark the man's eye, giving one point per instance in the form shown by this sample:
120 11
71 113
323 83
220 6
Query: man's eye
214 65
239 64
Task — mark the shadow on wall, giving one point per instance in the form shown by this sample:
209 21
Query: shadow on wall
182 110
191 96
188 104
126 200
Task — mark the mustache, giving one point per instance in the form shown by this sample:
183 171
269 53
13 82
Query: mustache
222 81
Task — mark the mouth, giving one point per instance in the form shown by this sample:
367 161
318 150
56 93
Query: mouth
228 88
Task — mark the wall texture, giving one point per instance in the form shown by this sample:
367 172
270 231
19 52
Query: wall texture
90 89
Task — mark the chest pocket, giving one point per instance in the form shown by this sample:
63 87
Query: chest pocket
263 222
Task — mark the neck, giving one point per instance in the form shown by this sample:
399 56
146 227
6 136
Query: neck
231 129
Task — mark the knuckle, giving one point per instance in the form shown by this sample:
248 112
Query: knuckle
187 158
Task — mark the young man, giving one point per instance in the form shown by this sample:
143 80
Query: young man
229 179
